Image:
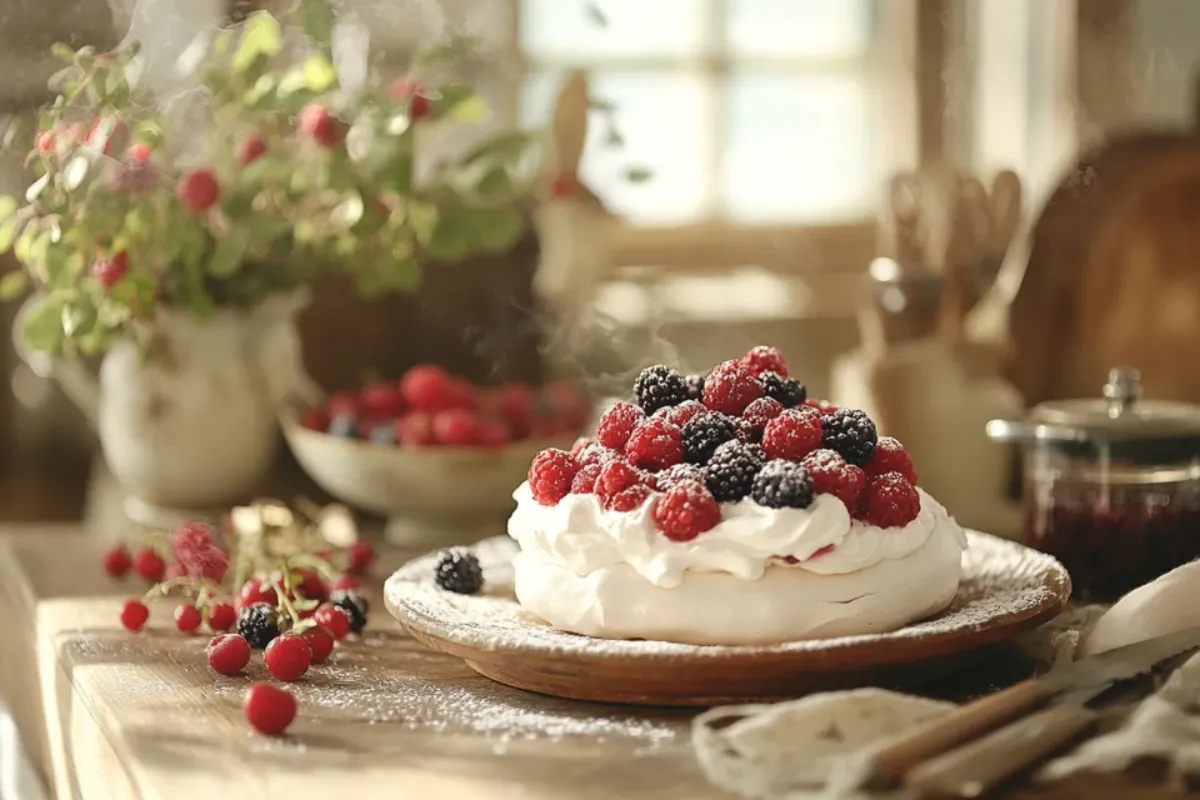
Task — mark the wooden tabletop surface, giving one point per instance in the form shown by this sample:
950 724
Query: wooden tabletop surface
107 714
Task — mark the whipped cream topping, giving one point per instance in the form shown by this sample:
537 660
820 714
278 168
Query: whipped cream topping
578 535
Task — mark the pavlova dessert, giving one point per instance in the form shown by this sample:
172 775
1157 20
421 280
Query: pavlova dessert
731 509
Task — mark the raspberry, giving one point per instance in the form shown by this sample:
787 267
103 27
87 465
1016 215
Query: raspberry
584 481
648 479
493 433
320 641
221 617
759 413
316 121
228 654
383 399
655 444
458 571
617 423
765 358
251 148
134 615
109 270
659 387
288 657
188 618
515 404
355 606
344 582
680 414
149 564
704 433
425 388
832 475
193 547
851 433
333 619
568 404
695 385
595 455
793 434
686 511
362 553
456 427
268 709
628 499
678 473
259 624
731 471
615 476
256 591
550 475
415 429
782 484
730 387
890 501
117 561
199 190
890 456
788 391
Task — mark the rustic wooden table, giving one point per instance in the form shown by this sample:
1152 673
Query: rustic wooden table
110 715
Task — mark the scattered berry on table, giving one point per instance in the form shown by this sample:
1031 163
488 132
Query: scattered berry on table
793 434
149 564
890 501
788 391
221 617
730 387
628 499
616 476
680 472
334 619
704 433
731 471
584 481
269 709
680 414
659 387
344 581
425 387
685 511
355 605
321 126
550 475
695 384
655 444
199 190
188 618
832 475
890 456
320 641
850 432
228 653
259 624
117 561
362 554
617 423
759 413
765 358
782 484
458 571
256 591
288 657
134 615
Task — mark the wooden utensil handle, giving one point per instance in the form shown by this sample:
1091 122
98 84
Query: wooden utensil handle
976 768
943 733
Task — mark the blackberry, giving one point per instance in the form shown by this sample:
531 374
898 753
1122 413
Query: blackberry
458 571
704 433
659 387
731 471
695 386
850 433
788 391
677 474
782 484
355 606
258 623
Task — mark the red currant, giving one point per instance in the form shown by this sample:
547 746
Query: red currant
320 641
134 615
256 591
361 555
251 149
269 709
228 653
199 190
187 618
108 271
288 657
333 619
149 564
221 617
320 125
117 561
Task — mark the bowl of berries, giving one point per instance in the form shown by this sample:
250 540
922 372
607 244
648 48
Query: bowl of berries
436 455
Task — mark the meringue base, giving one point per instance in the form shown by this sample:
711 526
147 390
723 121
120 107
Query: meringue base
788 603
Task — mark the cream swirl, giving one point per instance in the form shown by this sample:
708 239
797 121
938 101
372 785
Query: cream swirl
577 534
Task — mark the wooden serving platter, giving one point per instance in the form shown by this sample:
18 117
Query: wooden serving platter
1006 589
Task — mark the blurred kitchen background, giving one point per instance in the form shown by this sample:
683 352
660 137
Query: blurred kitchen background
773 130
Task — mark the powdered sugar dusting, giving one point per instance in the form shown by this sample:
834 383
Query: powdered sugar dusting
1000 579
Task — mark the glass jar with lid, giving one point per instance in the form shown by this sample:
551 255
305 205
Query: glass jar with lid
1111 485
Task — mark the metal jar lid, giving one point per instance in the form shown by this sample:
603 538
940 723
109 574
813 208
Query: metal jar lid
1120 425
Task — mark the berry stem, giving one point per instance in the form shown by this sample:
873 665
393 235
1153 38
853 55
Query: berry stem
281 591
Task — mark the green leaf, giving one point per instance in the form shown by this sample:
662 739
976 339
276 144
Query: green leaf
8 207
495 182
638 174
8 233
260 37
509 145
473 109
319 73
498 229
455 49
60 266
453 236
42 324
63 52
346 214
317 18
459 102
230 253
13 284
79 316
422 220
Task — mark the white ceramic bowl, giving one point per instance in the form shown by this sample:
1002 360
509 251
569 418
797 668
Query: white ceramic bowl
432 494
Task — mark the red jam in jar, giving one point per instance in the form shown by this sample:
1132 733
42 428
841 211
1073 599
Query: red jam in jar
1111 487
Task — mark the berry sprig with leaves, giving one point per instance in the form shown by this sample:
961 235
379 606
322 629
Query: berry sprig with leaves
266 172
